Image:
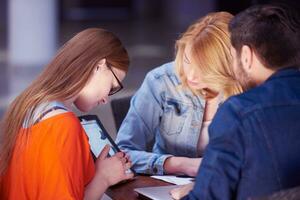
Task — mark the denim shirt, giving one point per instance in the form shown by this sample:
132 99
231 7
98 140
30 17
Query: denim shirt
163 119
254 147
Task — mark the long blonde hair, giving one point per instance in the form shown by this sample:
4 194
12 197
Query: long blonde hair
63 78
210 52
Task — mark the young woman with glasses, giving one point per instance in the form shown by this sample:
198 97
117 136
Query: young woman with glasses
44 152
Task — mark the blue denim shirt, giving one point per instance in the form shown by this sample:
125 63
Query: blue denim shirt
254 146
163 120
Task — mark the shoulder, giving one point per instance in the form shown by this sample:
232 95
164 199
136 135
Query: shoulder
68 132
60 132
236 108
69 121
53 113
279 89
166 71
227 114
61 125
260 97
240 107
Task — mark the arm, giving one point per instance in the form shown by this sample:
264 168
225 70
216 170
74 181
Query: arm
219 172
137 131
144 121
182 165
66 162
109 171
71 166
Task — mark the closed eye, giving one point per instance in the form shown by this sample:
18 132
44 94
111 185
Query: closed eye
186 60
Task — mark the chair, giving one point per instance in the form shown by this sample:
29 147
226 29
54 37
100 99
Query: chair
120 108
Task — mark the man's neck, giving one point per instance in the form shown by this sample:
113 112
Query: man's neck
261 73
265 73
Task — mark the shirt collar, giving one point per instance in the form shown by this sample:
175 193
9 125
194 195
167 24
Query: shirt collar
287 71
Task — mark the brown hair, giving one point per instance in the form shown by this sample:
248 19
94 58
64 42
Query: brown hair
272 31
63 78
210 53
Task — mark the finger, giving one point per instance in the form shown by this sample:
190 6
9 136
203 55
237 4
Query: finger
175 193
128 176
190 185
127 158
123 160
120 154
104 152
181 191
128 165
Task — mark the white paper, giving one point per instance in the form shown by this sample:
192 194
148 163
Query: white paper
175 179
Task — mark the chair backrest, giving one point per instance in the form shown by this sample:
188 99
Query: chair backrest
120 108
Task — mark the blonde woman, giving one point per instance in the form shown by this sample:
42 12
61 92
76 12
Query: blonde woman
165 130
44 150
205 66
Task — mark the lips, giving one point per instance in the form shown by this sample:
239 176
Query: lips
192 83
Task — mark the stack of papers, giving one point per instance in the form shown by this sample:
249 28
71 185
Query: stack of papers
177 180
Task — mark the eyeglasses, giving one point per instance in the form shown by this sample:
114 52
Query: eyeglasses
114 90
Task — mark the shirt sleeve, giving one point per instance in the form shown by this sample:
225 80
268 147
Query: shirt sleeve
137 131
219 172
68 165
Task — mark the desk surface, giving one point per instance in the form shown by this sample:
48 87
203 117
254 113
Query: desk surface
125 191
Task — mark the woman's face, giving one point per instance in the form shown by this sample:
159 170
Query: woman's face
191 71
96 91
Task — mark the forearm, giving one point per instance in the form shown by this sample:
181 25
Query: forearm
95 189
173 165
182 165
147 162
133 138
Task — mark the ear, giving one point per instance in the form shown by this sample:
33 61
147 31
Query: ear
101 64
246 57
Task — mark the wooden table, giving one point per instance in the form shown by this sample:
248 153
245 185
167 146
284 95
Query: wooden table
125 191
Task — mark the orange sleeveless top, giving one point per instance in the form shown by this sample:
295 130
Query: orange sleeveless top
52 162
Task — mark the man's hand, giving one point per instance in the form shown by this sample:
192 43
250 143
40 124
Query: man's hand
182 191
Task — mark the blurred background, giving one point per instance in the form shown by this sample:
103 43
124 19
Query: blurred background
32 30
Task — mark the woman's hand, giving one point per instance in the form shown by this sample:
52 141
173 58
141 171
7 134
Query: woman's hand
182 191
182 165
109 171
113 169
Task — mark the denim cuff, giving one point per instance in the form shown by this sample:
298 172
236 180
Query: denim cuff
158 165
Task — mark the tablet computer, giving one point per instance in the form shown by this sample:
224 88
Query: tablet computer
98 136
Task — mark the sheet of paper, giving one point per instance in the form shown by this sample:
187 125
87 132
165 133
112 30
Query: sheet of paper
175 179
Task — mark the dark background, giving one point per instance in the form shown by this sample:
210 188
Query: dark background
148 29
